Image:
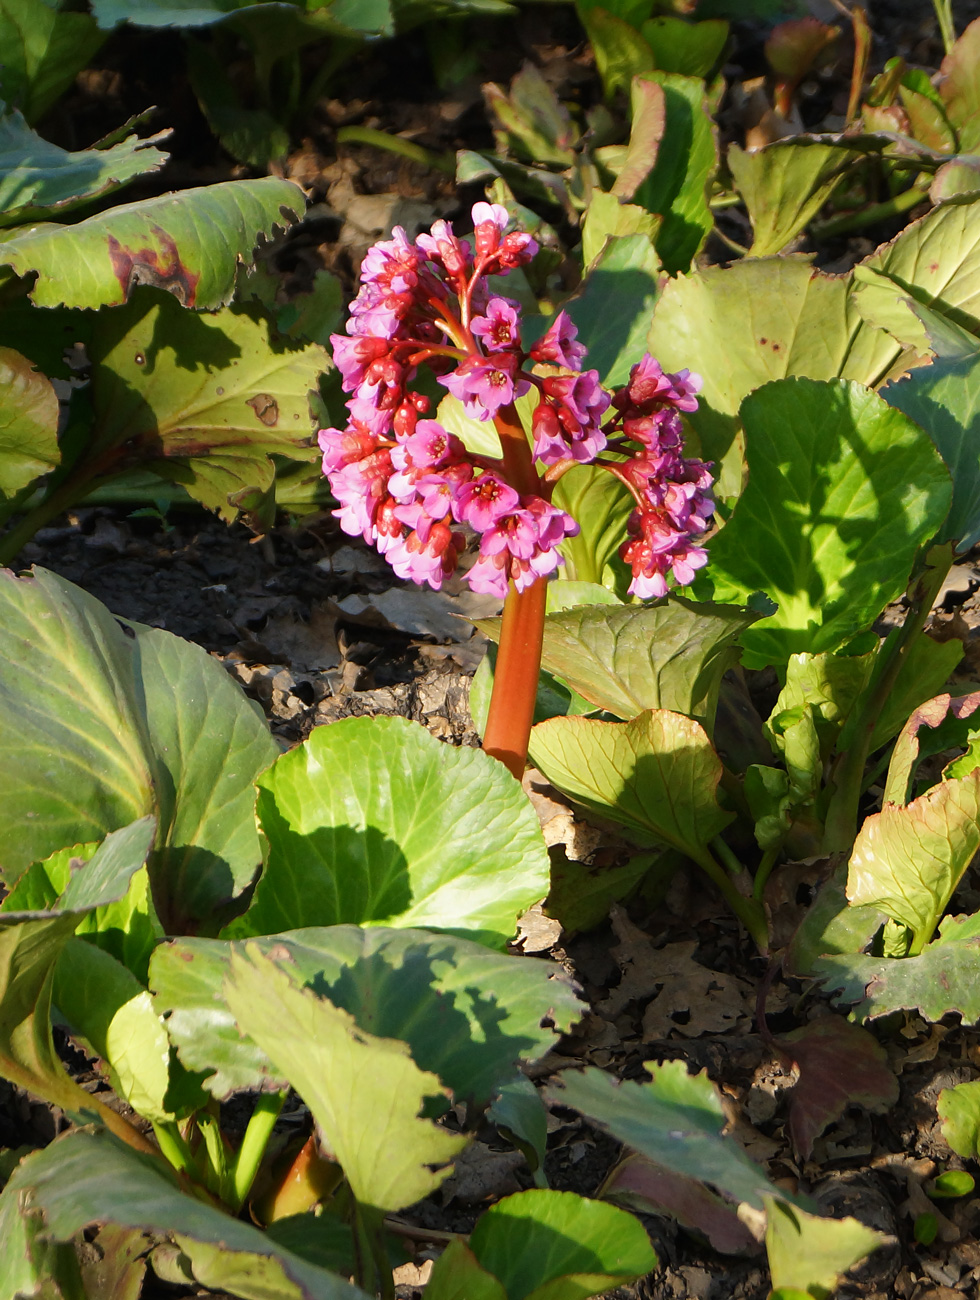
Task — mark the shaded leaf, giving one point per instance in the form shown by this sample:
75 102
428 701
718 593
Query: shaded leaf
926 668
612 306
456 1275
92 1178
810 1254
581 893
519 1112
620 51
656 775
600 504
548 1245
202 400
839 1065
39 181
28 423
941 979
959 1110
831 926
124 721
907 861
842 492
44 47
427 990
944 399
676 1120
648 1188
365 1093
357 828
189 243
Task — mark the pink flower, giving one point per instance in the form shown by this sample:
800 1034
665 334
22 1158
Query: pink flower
648 385
582 395
485 384
353 356
442 247
498 328
427 447
558 344
489 223
342 447
484 500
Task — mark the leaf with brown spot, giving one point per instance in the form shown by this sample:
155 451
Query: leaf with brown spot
840 1065
265 407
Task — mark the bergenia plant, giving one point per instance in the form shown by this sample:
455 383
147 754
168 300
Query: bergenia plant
413 489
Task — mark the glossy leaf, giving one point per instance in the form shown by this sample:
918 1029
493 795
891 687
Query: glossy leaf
944 399
39 181
677 187
830 685
28 423
365 1092
456 1275
676 1120
656 775
926 668
692 49
613 305
940 980
959 1110
91 1178
545 1245
839 1065
600 504
810 1254
519 1112
140 722
189 243
467 1014
44 47
649 110
203 400
842 492
784 185
907 861
357 829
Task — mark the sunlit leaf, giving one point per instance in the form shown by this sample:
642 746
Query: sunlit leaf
28 423
357 829
656 775
467 1014
365 1092
810 1254
456 1275
612 307
959 86
784 185
959 1110
945 708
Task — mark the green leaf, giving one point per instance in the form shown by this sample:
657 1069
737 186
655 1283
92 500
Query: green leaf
677 187
944 399
657 775
519 1112
600 504
925 670
456 1275
959 86
949 719
941 979
365 1092
106 1004
189 243
831 926
44 47
203 400
649 108
908 861
932 262
958 177
30 945
810 1254
421 988
91 1178
784 185
613 305
691 49
959 1110
842 492
373 820
252 135
676 1120
951 1184
559 1246
620 51
608 217
124 721
830 684
581 893
40 181
28 423
627 658
535 124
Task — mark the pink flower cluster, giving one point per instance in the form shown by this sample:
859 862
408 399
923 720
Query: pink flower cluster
408 486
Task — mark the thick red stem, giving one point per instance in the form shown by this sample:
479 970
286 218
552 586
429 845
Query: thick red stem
515 679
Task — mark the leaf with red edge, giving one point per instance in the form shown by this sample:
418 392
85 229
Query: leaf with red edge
645 1187
840 1065
952 710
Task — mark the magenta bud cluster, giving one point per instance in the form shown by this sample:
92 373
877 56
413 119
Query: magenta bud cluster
411 487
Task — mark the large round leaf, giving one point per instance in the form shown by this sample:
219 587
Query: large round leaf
843 490
102 723
373 820
467 1014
